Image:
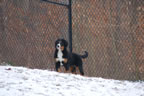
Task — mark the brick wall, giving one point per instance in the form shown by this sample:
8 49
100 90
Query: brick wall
1 28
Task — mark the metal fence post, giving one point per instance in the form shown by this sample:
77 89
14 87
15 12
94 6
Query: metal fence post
70 24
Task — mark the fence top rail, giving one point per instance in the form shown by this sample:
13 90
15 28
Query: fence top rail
66 5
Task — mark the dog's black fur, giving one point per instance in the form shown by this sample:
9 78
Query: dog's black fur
71 61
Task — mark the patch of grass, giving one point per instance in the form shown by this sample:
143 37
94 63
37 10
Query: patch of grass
11 63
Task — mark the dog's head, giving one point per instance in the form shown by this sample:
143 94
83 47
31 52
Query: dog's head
61 44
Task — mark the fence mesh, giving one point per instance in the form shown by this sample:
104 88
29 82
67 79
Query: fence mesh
112 31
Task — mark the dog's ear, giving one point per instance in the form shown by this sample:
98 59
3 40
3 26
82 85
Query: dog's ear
65 42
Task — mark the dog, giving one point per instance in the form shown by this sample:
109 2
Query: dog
70 61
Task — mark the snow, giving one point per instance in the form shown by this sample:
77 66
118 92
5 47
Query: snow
20 81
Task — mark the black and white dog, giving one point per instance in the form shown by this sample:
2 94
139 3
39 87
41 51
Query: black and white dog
70 61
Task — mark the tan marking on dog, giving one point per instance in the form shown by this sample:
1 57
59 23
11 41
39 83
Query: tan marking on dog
65 60
59 70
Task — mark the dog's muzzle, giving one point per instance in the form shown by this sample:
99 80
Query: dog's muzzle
58 46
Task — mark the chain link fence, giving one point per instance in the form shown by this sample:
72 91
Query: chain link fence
112 31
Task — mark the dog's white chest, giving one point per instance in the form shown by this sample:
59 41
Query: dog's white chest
60 54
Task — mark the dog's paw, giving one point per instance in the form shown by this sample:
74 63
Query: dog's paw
56 59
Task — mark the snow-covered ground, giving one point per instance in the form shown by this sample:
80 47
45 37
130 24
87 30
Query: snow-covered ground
19 81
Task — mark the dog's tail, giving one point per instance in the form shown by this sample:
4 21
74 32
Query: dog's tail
85 55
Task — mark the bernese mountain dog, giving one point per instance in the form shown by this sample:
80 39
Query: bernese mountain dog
70 61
